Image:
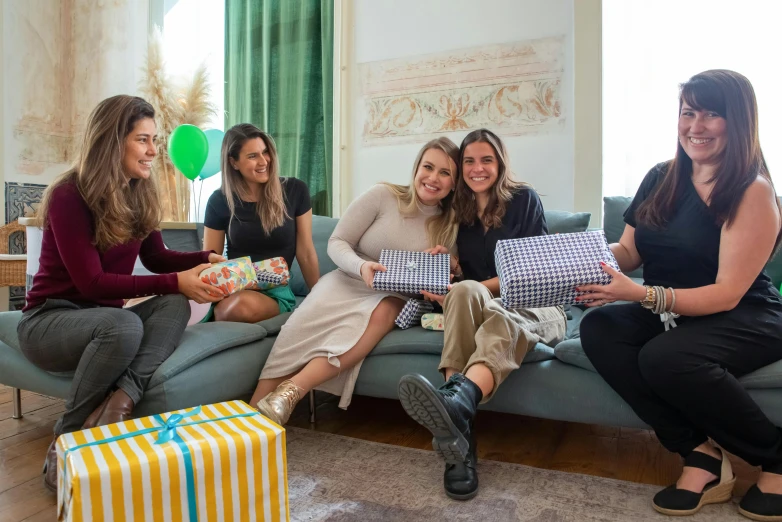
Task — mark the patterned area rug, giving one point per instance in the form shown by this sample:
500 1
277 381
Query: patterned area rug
335 478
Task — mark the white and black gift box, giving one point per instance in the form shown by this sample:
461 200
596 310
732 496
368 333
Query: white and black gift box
541 271
411 272
412 312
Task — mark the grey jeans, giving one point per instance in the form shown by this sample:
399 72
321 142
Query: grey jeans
107 347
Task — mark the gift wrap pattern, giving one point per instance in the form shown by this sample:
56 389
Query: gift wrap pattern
542 271
412 312
271 273
219 462
411 272
433 322
230 276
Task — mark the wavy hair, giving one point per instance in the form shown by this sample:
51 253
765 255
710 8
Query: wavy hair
122 210
271 204
499 194
730 95
442 228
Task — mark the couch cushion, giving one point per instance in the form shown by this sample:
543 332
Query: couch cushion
322 227
418 340
8 323
561 222
203 340
570 352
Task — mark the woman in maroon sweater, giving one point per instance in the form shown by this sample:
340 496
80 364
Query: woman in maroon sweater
98 217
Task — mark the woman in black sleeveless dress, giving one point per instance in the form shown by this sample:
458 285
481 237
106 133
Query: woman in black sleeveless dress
703 225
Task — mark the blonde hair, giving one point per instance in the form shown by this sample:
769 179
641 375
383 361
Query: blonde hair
271 205
442 228
500 193
122 210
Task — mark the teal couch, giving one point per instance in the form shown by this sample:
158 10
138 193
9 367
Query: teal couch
221 361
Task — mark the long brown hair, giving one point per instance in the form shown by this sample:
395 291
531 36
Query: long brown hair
442 228
500 193
122 210
271 204
730 95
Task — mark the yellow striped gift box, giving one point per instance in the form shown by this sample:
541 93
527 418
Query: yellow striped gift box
221 462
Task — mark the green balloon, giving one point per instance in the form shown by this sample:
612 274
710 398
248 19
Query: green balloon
188 149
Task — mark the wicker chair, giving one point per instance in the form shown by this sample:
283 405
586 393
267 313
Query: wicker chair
13 268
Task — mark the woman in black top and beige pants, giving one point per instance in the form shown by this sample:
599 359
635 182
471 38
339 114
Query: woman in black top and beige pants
483 342
703 225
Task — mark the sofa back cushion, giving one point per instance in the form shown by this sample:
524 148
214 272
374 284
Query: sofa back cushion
322 227
614 224
562 222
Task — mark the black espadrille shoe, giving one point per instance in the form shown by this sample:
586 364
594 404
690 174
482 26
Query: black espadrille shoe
678 502
766 507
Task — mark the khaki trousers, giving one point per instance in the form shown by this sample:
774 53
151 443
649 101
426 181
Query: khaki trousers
479 330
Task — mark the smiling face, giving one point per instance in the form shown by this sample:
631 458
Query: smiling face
434 178
140 149
702 134
480 167
254 161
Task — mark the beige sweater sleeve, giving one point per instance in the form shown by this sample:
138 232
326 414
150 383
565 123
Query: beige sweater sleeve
361 213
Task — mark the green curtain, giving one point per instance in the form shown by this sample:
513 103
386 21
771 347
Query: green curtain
279 57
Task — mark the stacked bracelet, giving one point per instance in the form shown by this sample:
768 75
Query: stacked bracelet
656 300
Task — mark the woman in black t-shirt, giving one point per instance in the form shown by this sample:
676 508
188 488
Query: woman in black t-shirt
483 342
703 225
261 216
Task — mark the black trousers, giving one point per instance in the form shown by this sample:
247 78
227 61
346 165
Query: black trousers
684 382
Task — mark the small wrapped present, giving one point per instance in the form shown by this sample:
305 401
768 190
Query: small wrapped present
411 313
271 273
542 271
230 276
433 322
218 462
412 272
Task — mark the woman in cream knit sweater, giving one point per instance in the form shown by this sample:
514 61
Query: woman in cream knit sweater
327 337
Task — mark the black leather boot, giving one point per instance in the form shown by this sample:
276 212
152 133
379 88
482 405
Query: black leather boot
447 412
461 480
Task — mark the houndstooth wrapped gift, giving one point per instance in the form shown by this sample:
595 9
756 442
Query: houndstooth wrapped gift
541 271
411 272
412 312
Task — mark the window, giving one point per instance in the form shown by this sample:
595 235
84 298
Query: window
649 48
194 32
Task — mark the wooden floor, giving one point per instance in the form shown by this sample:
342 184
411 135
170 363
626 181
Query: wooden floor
619 453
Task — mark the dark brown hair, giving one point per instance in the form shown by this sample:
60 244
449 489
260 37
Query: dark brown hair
730 95
499 194
122 210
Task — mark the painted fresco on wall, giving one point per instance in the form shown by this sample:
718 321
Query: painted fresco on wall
21 200
513 88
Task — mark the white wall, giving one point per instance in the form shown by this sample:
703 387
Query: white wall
408 28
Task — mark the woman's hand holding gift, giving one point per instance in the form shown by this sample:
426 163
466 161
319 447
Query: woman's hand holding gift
216 258
621 288
191 286
437 298
456 270
368 270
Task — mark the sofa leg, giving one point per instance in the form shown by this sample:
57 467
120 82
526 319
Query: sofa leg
312 406
17 398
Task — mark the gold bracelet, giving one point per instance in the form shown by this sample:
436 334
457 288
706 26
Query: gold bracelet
650 300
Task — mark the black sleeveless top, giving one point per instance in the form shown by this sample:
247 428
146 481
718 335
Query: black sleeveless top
685 253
